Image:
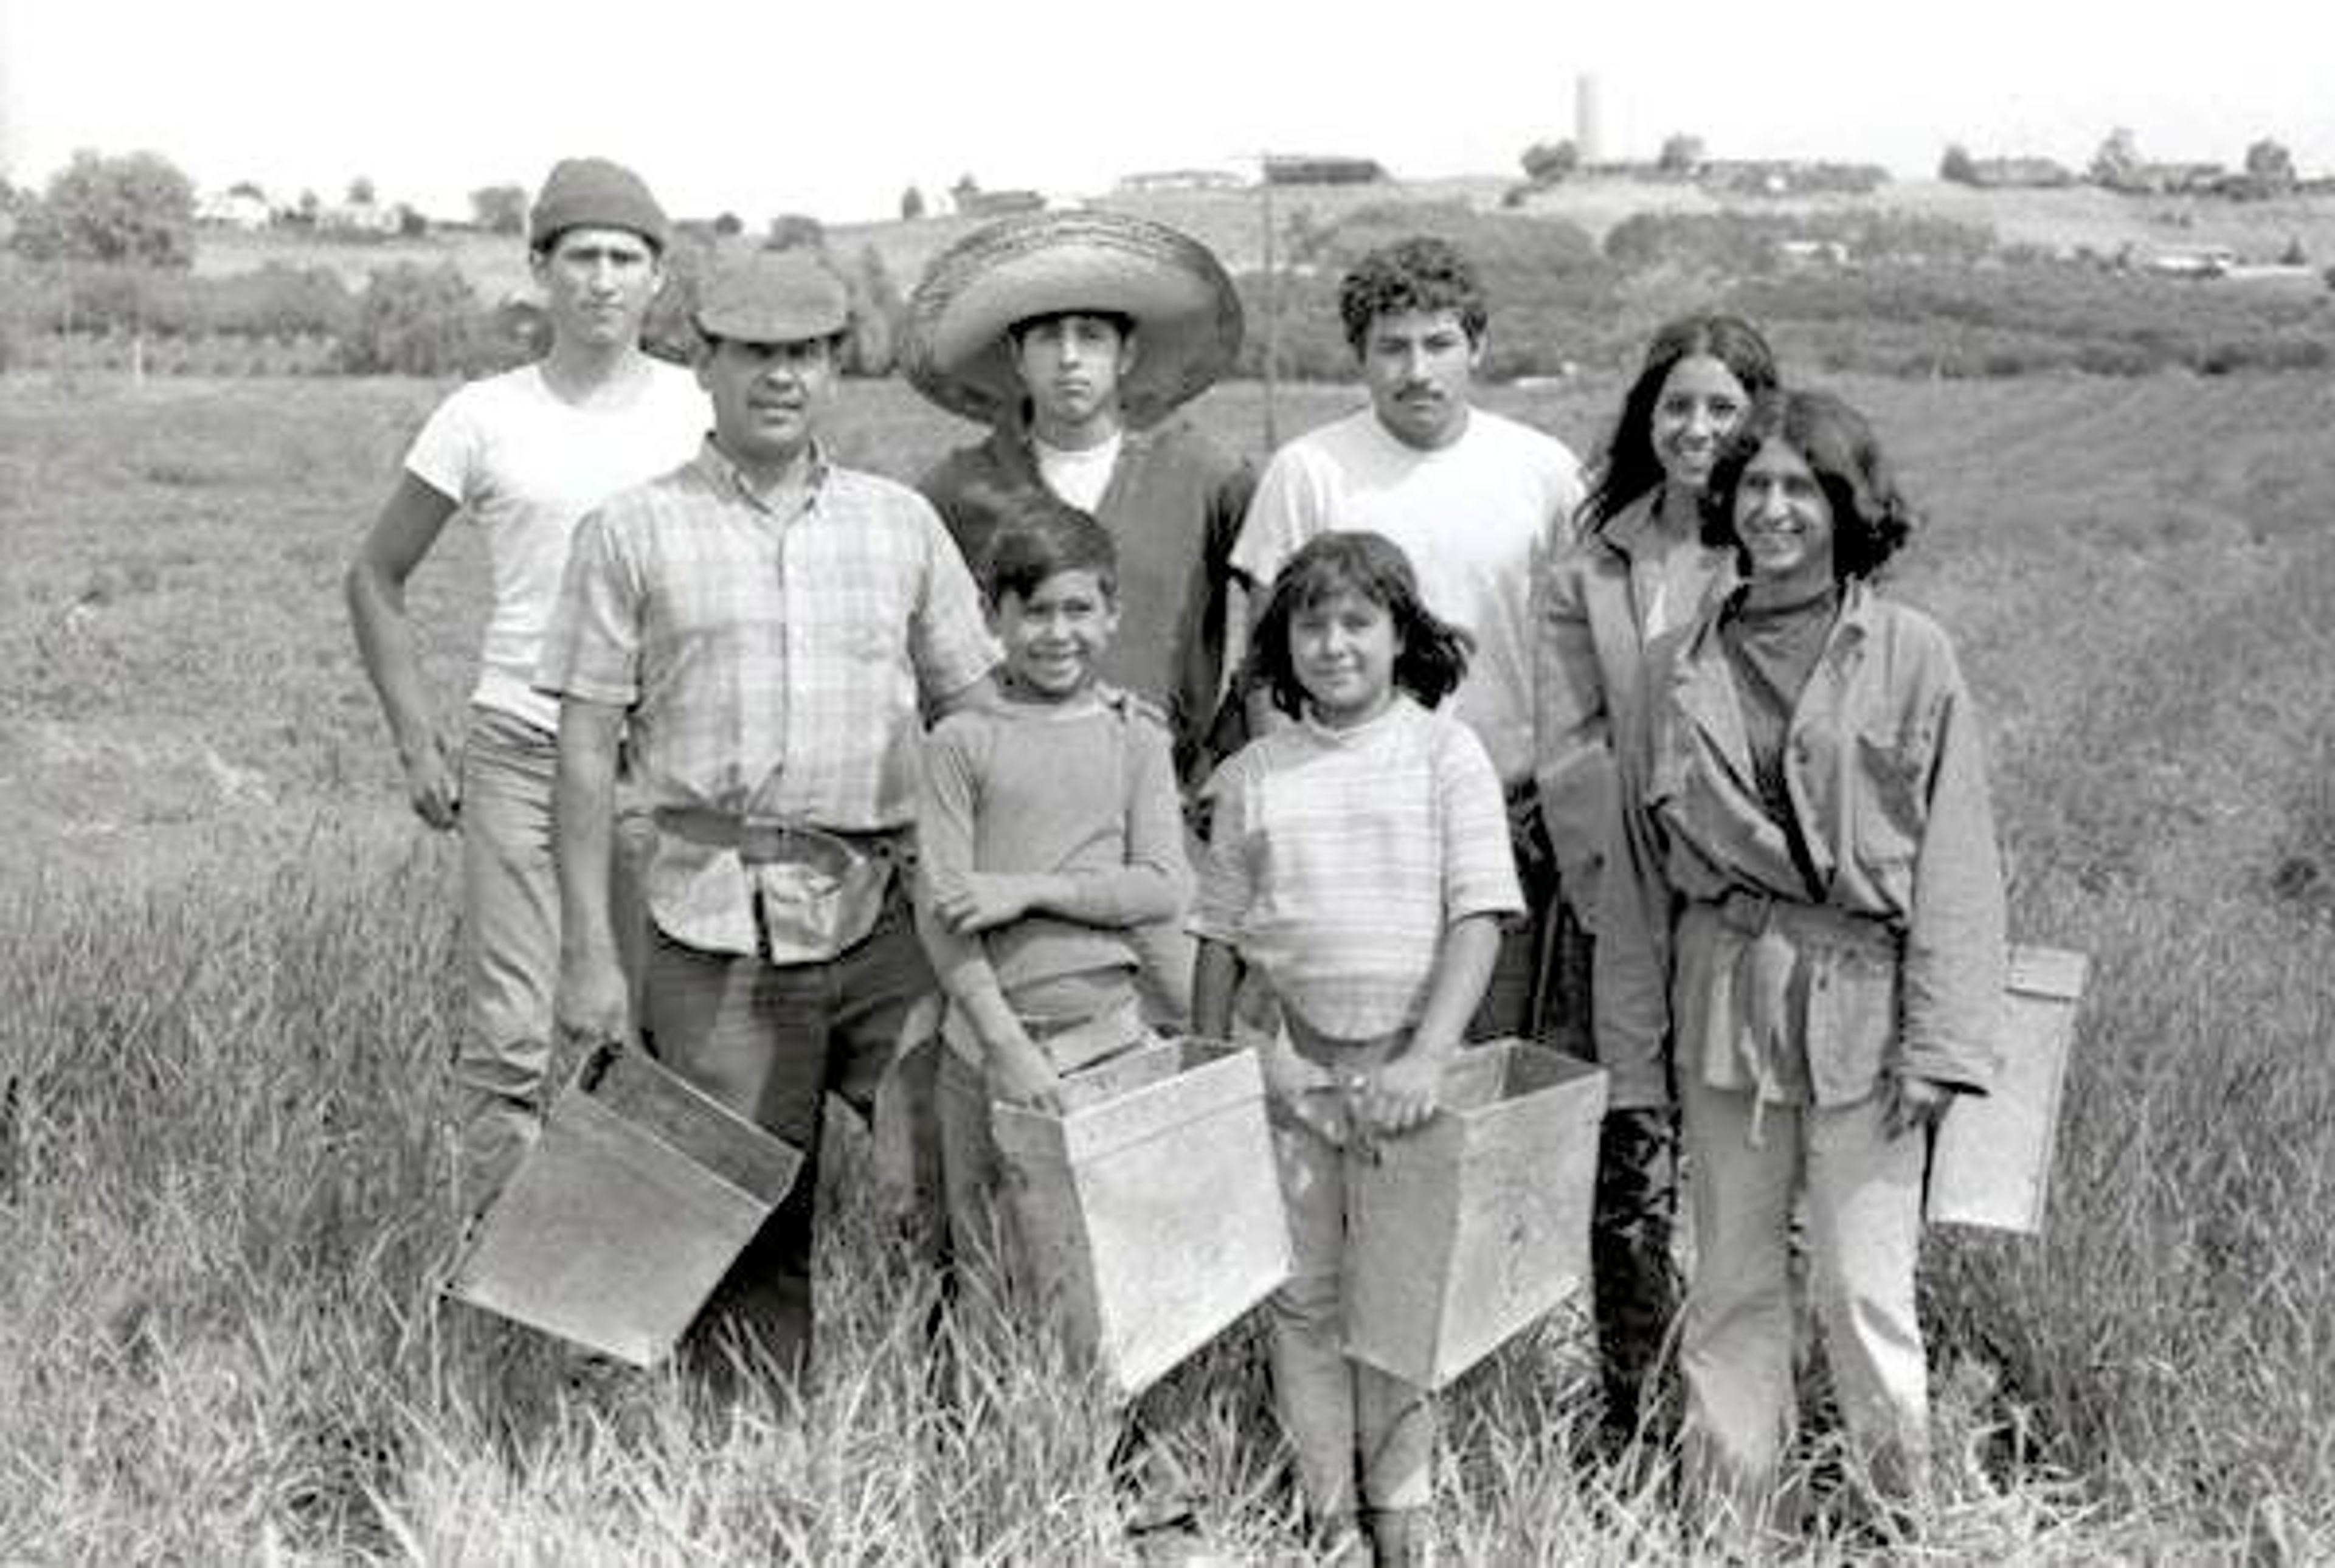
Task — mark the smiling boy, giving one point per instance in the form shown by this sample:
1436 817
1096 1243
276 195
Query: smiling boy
1051 829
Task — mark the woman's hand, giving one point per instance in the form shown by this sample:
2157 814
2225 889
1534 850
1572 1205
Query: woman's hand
1910 1103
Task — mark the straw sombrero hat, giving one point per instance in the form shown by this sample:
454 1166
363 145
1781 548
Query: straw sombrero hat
1188 316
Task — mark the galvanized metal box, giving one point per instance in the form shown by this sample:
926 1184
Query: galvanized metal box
1471 1228
1149 1209
627 1211
1991 1164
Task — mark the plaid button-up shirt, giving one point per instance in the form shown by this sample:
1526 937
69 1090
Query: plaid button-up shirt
770 661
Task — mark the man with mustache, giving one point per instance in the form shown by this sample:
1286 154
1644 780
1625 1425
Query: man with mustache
767 630
522 456
1479 502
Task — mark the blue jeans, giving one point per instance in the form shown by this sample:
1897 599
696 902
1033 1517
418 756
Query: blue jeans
511 945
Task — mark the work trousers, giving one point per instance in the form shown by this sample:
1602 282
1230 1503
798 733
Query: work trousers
771 1043
1354 1427
1862 1193
510 943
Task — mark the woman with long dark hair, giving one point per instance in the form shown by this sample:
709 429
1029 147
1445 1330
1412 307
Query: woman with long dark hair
1639 567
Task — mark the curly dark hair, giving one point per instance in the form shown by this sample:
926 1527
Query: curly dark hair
1420 273
1038 535
1630 468
1431 655
1871 518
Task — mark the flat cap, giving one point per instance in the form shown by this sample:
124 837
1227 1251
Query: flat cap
772 297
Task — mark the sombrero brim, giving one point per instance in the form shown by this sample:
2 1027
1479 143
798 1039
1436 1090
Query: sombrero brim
1187 314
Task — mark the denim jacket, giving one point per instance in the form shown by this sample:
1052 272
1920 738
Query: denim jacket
1588 656
1898 967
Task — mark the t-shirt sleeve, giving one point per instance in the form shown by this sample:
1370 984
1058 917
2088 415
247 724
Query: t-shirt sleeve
592 648
1220 905
950 642
1283 514
447 451
1479 869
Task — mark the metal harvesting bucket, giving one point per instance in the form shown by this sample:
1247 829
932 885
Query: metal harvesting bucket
1151 1208
627 1211
1991 1164
1469 1230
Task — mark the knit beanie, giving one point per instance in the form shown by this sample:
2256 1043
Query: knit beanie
595 193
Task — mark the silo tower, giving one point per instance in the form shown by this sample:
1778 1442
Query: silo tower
1588 120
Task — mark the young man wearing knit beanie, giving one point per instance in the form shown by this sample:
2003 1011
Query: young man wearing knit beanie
524 456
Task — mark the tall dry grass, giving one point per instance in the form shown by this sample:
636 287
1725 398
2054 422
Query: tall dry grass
224 1179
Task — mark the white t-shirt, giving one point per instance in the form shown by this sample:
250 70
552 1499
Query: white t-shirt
1478 518
527 465
1078 477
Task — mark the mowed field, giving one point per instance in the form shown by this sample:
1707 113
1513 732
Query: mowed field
230 996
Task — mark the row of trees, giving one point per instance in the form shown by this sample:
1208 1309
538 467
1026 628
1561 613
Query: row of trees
2268 170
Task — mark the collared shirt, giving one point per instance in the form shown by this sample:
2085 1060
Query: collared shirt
1883 766
1480 518
1173 505
1338 858
1598 612
770 661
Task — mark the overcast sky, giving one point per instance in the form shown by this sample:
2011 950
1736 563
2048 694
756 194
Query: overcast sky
791 105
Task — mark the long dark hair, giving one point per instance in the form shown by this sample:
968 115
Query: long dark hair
1871 517
1431 655
1630 467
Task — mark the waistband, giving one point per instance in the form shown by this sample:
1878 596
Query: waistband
1337 1053
769 841
1753 913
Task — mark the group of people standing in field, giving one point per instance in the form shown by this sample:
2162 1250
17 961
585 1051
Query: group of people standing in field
816 783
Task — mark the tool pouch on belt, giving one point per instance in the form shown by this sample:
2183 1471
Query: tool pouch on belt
817 895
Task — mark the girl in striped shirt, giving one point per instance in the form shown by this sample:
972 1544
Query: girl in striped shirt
1357 873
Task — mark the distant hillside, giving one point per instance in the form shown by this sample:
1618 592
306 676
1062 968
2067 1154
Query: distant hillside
1230 222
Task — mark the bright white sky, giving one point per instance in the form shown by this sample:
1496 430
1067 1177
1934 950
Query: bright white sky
832 109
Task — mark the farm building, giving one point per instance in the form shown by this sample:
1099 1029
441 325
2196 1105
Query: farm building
2010 173
997 203
245 209
1313 170
1156 181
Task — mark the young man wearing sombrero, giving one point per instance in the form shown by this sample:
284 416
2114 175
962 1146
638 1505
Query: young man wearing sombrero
1074 336
1479 502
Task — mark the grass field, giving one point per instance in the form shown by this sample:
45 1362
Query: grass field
230 998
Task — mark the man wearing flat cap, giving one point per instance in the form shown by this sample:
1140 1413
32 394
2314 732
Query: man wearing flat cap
523 456
768 629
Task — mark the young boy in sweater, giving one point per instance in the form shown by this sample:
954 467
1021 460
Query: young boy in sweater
1050 827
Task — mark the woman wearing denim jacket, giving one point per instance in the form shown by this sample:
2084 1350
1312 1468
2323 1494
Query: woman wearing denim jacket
1808 900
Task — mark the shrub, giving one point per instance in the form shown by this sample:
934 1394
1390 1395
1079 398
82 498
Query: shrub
414 320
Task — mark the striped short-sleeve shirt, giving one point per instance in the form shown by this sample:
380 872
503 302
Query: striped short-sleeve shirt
775 660
1338 857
